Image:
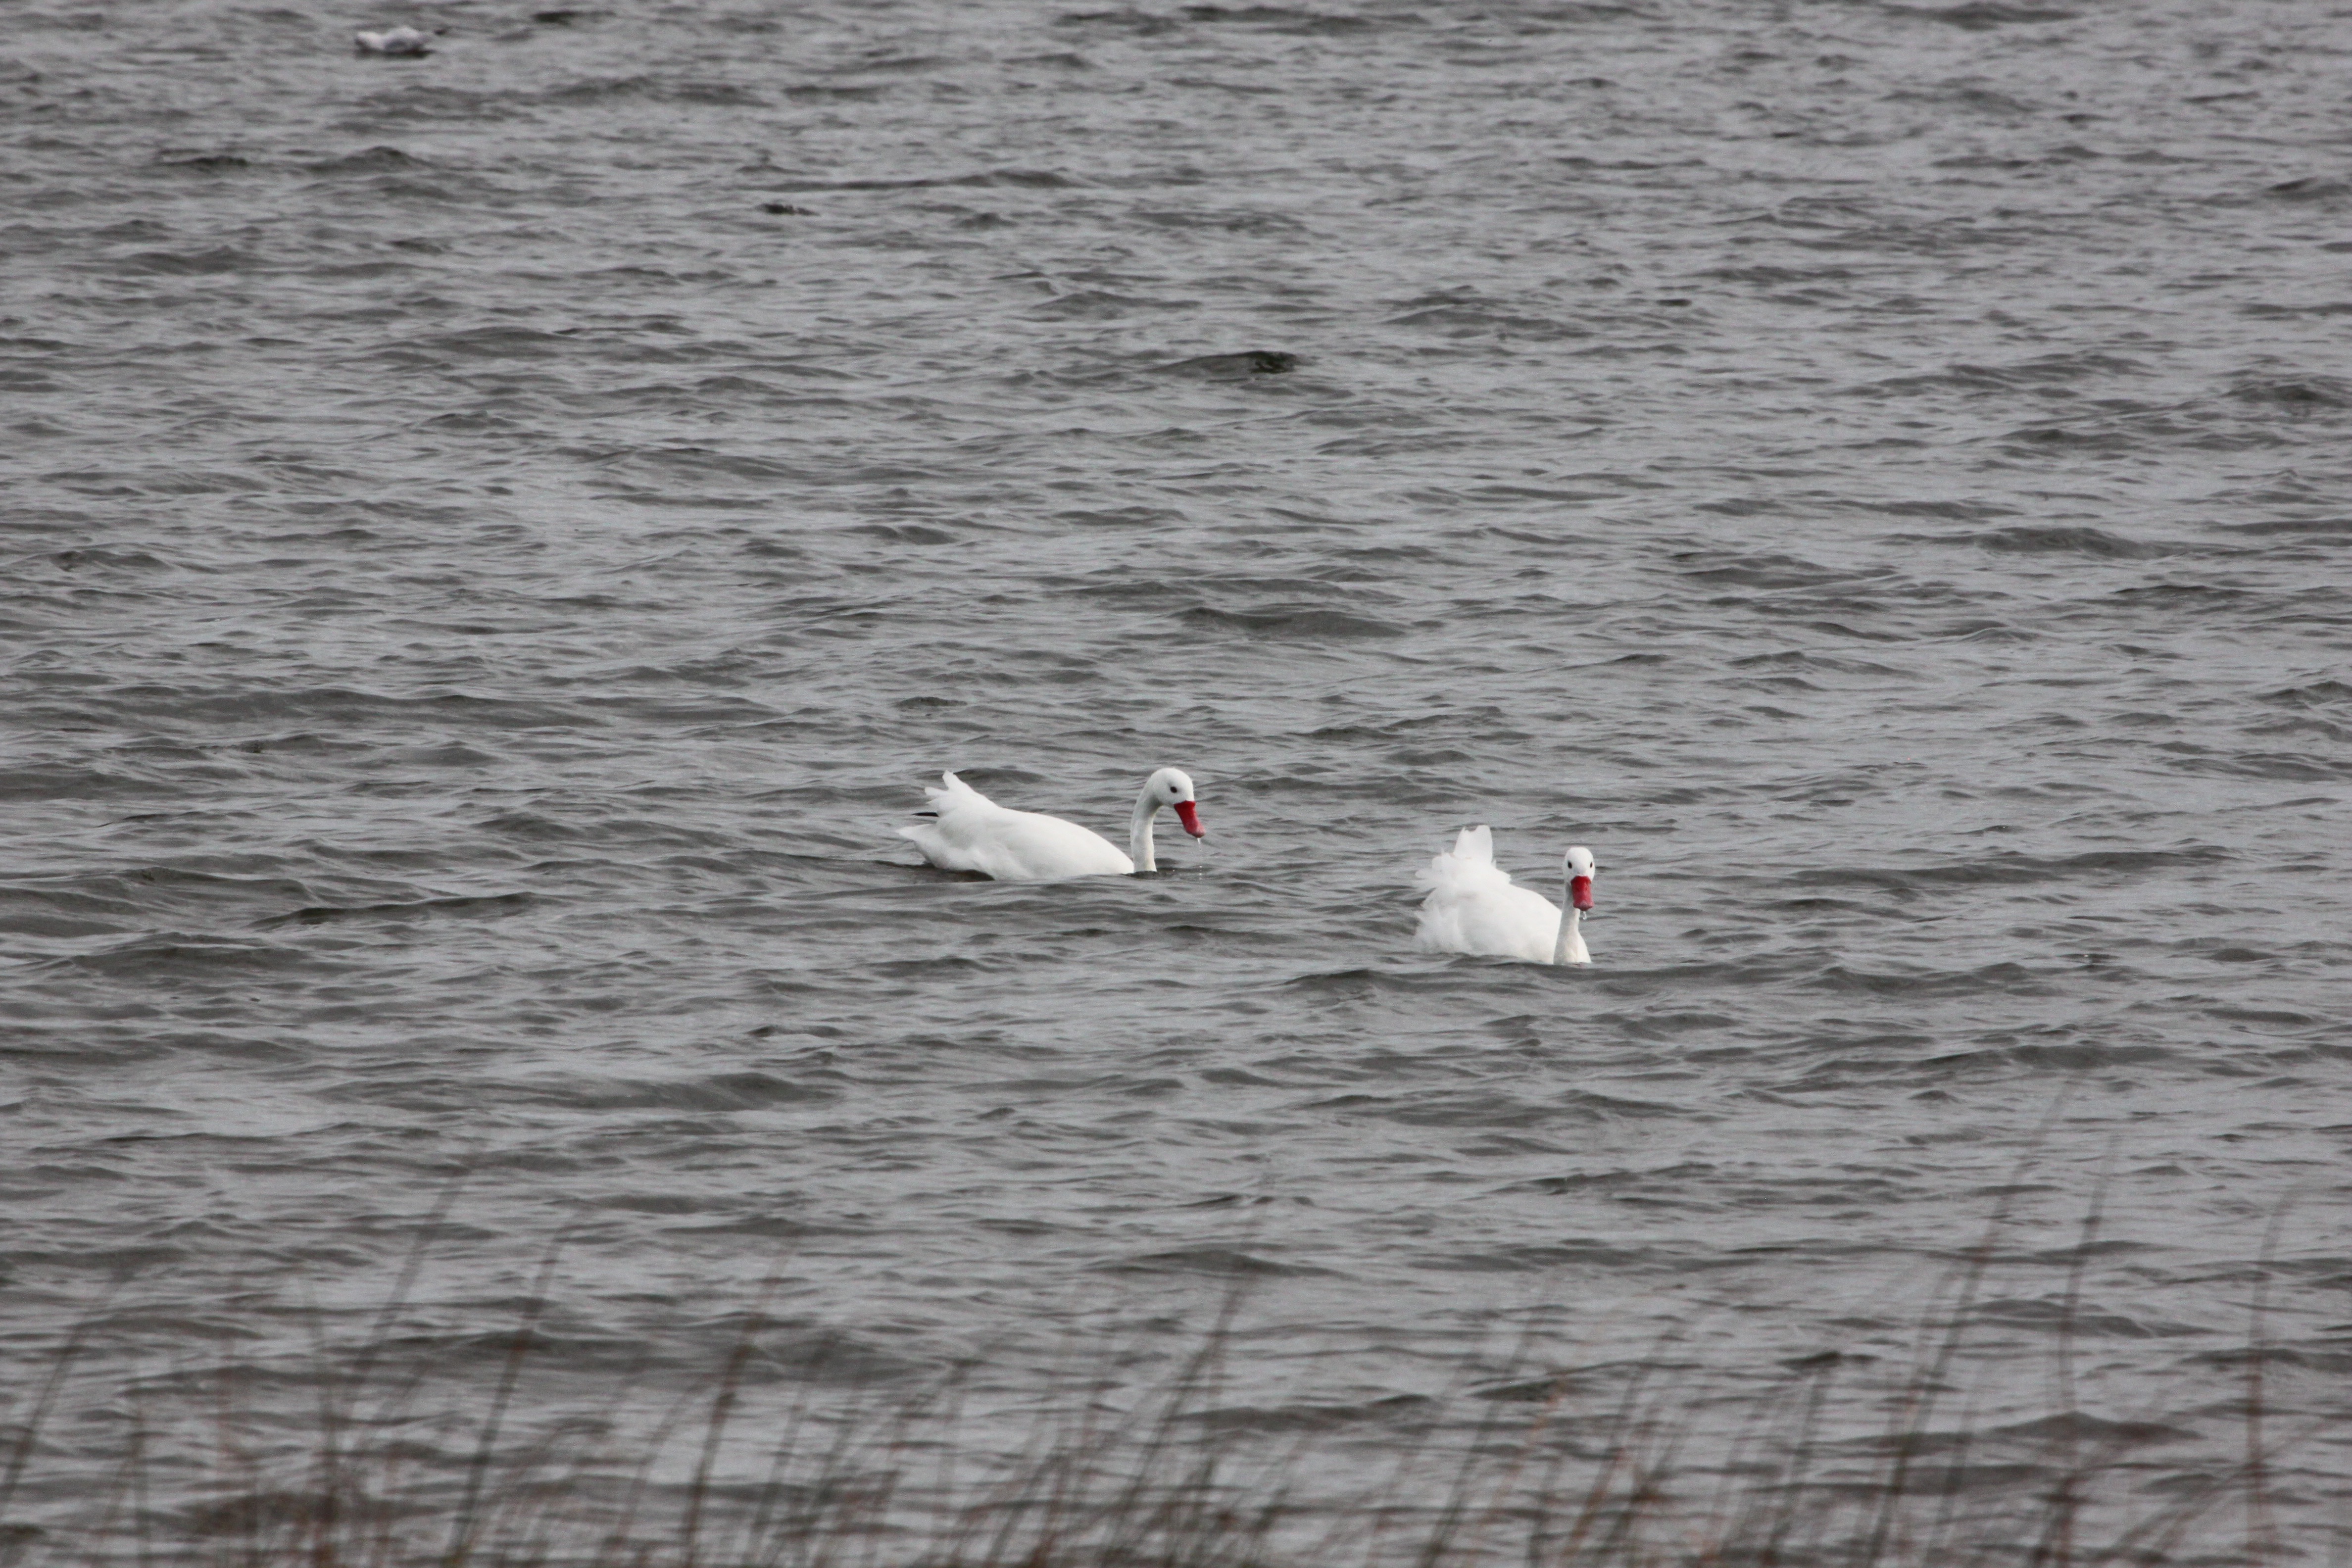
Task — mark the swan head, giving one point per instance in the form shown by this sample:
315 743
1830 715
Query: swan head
1173 787
1580 876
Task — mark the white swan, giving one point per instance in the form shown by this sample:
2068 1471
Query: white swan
975 834
401 40
1472 906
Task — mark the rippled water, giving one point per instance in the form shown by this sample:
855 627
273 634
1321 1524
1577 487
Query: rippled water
496 543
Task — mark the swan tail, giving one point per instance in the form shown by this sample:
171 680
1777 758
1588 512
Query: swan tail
1472 853
943 836
952 793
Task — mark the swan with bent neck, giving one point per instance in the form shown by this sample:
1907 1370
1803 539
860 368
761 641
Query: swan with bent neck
971 833
1475 908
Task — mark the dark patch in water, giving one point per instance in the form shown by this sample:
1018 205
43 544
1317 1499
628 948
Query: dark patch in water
1238 366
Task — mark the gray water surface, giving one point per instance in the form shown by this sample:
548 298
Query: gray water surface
495 543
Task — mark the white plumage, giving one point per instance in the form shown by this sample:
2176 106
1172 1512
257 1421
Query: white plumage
395 41
972 833
1474 907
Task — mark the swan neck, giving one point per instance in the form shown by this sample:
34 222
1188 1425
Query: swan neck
1569 948
1139 832
1571 918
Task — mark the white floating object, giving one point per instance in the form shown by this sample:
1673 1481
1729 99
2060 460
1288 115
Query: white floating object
395 41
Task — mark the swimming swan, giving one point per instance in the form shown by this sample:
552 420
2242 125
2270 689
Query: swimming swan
972 833
1473 906
394 41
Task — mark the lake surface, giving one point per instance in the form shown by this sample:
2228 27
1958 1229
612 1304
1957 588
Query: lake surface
497 543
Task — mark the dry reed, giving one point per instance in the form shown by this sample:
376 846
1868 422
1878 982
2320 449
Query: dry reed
1553 1468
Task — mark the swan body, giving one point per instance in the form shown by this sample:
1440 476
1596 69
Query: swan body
971 833
1474 907
395 41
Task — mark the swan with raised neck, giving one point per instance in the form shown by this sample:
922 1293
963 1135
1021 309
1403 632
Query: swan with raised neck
1475 908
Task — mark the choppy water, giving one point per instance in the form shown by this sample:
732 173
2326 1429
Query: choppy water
496 542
